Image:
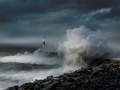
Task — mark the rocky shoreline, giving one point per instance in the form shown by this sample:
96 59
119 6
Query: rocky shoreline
103 77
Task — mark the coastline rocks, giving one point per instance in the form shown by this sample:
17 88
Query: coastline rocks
103 77
13 88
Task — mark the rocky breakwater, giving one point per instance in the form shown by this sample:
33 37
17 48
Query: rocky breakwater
102 77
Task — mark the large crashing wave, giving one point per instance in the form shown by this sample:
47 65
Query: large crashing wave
83 45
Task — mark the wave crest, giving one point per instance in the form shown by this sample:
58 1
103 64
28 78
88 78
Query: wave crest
83 45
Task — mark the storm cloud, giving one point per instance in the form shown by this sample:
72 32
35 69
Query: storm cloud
52 18
13 10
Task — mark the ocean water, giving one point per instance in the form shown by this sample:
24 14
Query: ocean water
25 67
79 47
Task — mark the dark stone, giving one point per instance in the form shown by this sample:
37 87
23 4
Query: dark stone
70 79
13 88
49 78
51 86
102 77
66 83
27 86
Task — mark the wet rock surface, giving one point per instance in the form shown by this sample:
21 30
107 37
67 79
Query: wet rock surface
102 77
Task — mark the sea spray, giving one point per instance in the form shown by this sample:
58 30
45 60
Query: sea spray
82 45
30 59
21 68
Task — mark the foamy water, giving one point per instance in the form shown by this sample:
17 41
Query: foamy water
30 58
18 69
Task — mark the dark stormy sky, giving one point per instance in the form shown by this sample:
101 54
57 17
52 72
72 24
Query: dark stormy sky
25 21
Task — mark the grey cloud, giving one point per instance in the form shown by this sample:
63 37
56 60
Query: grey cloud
31 18
109 13
13 10
97 4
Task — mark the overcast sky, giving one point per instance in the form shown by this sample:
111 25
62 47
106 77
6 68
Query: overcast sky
51 18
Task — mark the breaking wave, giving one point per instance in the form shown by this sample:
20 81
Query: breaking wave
82 45
29 58
21 68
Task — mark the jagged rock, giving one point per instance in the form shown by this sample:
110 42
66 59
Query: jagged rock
102 77
70 79
49 78
27 86
13 88
51 86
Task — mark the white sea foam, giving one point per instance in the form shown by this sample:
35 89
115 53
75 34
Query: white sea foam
29 58
12 77
82 45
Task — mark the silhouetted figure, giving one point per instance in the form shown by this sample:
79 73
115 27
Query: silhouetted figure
43 42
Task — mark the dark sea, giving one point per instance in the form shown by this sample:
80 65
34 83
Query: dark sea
20 64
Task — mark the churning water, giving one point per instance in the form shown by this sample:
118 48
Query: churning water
78 49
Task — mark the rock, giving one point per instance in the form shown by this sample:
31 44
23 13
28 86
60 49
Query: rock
13 88
49 78
102 77
70 79
66 83
51 86
27 86
37 87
